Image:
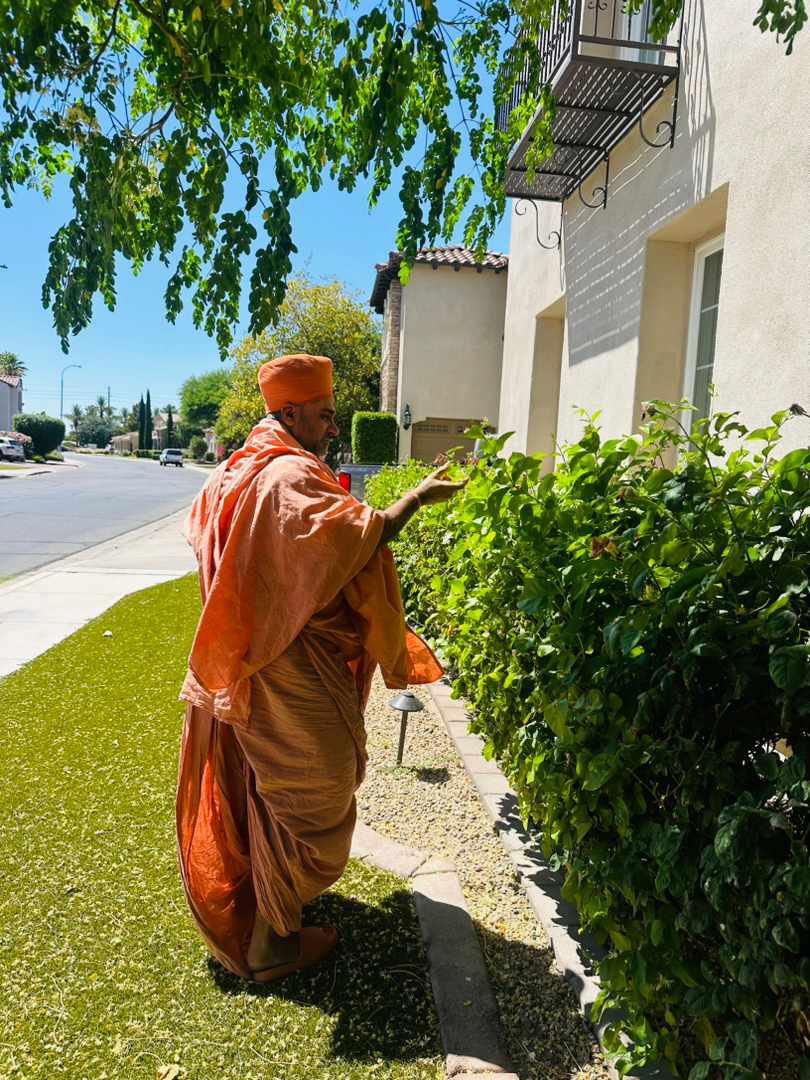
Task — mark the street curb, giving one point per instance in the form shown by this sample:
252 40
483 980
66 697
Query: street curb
575 950
74 561
23 474
468 1016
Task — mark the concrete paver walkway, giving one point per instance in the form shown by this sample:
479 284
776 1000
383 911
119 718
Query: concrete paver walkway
40 609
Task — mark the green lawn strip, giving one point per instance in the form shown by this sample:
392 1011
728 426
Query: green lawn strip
102 973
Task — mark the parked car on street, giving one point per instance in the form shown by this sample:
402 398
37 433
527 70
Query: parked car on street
11 450
171 456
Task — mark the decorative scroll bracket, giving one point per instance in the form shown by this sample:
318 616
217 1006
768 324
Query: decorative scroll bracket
600 193
555 237
663 125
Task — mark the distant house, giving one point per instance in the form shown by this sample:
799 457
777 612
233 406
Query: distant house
442 345
213 445
126 443
159 432
11 403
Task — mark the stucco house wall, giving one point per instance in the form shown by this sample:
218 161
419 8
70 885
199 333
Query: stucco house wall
11 403
442 345
451 341
620 287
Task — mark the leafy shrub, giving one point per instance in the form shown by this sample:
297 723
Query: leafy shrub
198 447
635 641
151 455
46 432
421 554
209 455
374 438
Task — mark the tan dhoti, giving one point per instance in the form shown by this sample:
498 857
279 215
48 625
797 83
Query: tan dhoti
265 814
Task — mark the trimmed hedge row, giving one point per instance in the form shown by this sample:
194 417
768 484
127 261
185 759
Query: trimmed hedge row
634 637
45 432
374 438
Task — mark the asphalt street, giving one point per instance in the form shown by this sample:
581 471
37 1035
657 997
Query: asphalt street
47 517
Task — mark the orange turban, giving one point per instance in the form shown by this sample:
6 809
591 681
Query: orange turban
295 380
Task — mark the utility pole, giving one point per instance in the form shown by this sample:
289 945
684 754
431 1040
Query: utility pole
109 410
62 389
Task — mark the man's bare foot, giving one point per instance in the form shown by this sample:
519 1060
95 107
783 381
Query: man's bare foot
268 949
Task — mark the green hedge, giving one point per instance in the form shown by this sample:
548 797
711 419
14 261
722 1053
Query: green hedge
46 432
152 455
634 638
374 438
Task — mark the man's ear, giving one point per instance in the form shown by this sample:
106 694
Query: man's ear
289 414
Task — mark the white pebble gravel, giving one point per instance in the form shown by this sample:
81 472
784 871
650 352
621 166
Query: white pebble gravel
430 803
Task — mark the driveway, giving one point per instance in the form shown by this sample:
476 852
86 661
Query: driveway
46 517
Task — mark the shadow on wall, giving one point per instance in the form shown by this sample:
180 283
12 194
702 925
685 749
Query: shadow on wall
605 248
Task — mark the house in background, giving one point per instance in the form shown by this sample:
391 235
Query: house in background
213 445
127 443
159 431
664 248
442 343
11 402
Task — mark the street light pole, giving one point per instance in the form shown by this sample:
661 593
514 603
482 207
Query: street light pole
62 389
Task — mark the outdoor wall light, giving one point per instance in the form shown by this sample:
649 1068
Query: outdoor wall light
405 703
406 417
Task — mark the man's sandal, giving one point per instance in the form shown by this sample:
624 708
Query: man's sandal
314 944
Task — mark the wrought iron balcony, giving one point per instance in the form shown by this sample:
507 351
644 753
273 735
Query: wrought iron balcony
605 71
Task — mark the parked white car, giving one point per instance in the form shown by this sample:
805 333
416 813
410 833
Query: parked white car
171 456
11 450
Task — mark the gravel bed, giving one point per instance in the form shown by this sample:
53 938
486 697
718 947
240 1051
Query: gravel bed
430 803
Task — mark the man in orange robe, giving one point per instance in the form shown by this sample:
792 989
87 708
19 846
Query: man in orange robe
301 604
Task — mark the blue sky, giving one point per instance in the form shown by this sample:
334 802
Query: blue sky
135 347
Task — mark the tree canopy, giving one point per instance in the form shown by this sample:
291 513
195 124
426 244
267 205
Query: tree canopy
201 397
149 108
317 318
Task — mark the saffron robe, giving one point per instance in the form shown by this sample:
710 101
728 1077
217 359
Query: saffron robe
300 605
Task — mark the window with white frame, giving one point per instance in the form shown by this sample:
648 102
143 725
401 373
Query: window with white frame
703 328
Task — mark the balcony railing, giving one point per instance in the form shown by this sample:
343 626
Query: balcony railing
605 70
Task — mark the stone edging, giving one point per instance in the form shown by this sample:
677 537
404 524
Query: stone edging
574 950
468 1016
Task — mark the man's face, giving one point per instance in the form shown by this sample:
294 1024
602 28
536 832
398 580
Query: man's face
313 424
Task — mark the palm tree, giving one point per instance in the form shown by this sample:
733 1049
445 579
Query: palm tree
76 418
101 401
10 364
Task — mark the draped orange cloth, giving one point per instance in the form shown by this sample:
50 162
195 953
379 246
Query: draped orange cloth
300 605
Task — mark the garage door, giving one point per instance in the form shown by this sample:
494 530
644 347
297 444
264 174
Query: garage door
432 437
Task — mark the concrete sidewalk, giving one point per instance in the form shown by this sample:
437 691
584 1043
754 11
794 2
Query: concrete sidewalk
40 609
29 468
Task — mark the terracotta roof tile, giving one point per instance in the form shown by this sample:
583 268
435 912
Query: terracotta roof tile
454 255
12 380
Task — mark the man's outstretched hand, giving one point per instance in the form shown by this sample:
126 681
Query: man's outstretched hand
436 488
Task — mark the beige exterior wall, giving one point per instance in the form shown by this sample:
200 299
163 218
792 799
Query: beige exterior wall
740 166
11 405
450 345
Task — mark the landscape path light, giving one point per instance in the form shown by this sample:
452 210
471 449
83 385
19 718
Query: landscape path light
405 703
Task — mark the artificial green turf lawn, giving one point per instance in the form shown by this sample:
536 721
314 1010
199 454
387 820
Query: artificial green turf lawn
102 973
